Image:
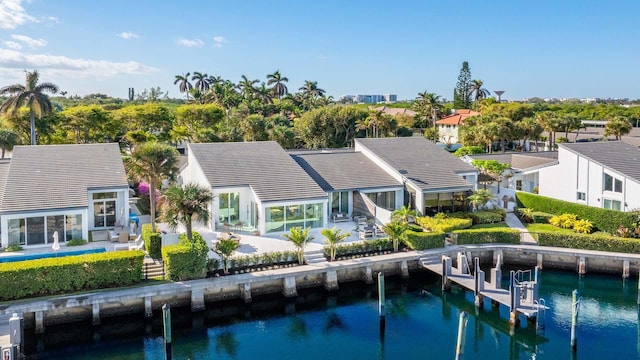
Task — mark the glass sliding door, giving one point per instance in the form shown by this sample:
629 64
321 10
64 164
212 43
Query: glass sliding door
35 230
55 223
104 209
16 231
284 218
229 208
73 227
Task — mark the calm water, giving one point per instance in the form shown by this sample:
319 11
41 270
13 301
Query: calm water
421 324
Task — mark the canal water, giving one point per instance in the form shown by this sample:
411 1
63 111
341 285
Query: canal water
421 323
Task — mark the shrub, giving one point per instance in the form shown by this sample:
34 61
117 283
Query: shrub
589 242
525 214
367 246
480 217
152 241
434 224
76 242
67 274
469 150
540 217
500 211
582 226
186 260
488 235
602 219
564 221
423 240
13 248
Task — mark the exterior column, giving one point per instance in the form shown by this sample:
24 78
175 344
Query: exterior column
197 300
39 316
95 312
289 287
245 292
148 309
404 269
331 280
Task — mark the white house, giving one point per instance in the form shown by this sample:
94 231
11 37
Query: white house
71 189
602 174
449 126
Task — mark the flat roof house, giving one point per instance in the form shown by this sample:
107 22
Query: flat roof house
603 174
71 189
257 186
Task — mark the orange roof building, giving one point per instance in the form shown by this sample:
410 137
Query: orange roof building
448 126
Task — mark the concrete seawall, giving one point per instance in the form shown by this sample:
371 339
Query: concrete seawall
143 300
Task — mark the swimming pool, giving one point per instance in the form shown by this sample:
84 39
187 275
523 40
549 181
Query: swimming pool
5 259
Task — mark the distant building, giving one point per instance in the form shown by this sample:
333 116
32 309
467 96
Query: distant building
448 126
369 99
394 111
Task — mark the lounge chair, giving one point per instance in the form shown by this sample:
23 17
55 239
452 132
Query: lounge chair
137 244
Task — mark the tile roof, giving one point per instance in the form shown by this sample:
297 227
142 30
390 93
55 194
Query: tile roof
458 117
338 170
615 155
394 111
263 165
58 176
425 165
522 161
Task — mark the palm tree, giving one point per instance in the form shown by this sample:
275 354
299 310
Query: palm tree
224 248
299 238
32 95
332 237
202 81
477 89
395 230
618 127
310 89
480 198
247 88
428 106
184 84
264 94
404 215
183 203
8 139
276 79
153 162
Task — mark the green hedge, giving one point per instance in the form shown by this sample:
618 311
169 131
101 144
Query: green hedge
540 217
186 260
602 219
444 225
589 242
480 217
488 235
423 240
152 241
63 275
363 247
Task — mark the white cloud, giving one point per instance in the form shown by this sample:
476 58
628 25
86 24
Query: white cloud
12 14
59 64
219 40
30 41
128 35
12 45
189 42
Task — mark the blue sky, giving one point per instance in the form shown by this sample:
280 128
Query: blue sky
545 48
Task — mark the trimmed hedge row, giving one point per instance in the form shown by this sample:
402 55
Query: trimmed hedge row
489 235
603 219
481 217
443 225
589 242
423 240
186 260
540 217
63 275
367 246
152 241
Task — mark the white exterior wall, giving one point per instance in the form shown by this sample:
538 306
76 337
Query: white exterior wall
632 195
246 196
192 173
4 223
448 135
559 181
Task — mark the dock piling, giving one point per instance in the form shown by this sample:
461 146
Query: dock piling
166 322
462 327
575 306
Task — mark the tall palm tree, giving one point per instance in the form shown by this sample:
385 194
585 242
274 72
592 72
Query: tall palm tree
32 95
201 81
395 230
310 89
264 94
618 127
478 91
247 87
183 83
153 162
428 106
332 237
279 89
299 238
184 203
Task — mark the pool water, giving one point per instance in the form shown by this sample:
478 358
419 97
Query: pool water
421 323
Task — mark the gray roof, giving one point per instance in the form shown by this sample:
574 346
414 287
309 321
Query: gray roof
425 165
337 170
59 176
264 166
615 155
522 161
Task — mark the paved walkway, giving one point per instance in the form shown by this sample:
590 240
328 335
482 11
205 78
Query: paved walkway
515 223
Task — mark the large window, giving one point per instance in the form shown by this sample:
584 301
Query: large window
229 211
104 209
581 196
612 204
40 229
340 202
612 184
283 218
385 200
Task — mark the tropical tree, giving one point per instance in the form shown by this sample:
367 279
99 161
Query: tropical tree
247 87
550 123
310 89
8 139
617 127
225 248
183 83
153 162
395 230
404 215
32 95
184 203
332 237
279 89
201 81
461 93
428 106
477 91
299 238
480 198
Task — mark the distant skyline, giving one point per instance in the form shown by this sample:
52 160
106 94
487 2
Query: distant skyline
547 49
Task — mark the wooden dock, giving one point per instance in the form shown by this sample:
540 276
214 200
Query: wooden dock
521 297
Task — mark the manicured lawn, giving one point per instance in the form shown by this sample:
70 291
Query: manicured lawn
547 227
487 226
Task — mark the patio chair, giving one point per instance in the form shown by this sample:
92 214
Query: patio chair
137 244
